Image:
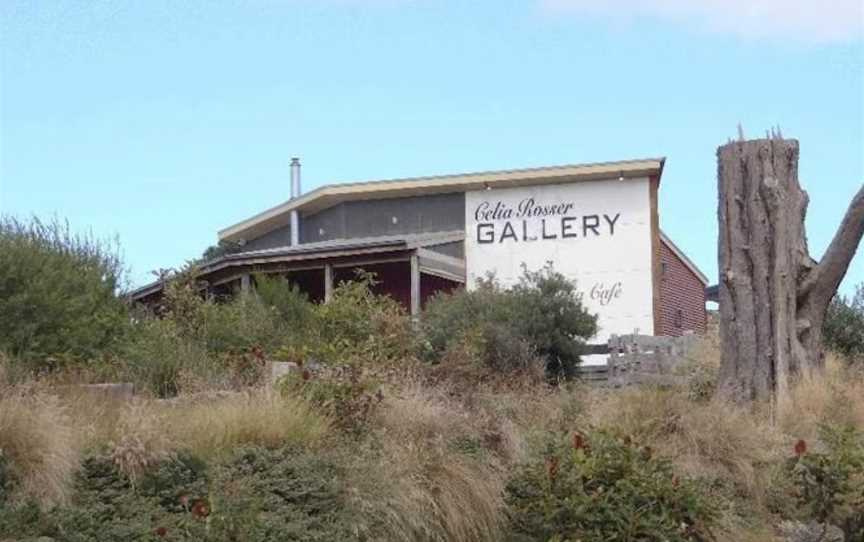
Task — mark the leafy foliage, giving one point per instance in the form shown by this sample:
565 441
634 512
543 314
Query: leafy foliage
829 485
359 326
157 353
284 494
257 495
542 312
220 249
598 488
196 337
107 508
844 325
344 393
290 303
58 293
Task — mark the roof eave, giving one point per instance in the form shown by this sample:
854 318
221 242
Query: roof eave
329 195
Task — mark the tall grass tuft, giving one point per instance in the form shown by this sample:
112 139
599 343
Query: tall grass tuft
141 441
39 444
427 479
835 396
258 417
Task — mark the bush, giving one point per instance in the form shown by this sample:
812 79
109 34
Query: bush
829 484
283 494
540 316
158 356
358 326
58 293
275 314
844 325
551 318
196 340
343 393
599 488
258 495
108 508
246 321
290 303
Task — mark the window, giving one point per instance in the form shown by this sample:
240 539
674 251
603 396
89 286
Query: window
679 318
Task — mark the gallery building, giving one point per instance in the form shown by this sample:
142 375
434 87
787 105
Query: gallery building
598 224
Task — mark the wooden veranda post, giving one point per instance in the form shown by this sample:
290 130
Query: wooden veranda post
773 295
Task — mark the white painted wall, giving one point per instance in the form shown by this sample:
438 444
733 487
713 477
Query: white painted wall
598 233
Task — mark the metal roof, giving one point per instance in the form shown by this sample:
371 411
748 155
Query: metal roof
329 195
315 251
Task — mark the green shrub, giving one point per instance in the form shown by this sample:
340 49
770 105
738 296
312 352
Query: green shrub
241 324
107 508
290 303
541 316
343 393
844 325
599 488
829 484
58 293
285 494
257 495
551 318
359 326
157 354
225 343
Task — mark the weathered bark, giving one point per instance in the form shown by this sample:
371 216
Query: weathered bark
773 295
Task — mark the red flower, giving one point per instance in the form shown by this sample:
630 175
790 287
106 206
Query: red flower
800 448
200 509
161 532
578 441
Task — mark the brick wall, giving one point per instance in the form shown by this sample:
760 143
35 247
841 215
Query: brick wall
682 296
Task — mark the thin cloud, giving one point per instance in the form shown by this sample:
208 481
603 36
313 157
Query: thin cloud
825 21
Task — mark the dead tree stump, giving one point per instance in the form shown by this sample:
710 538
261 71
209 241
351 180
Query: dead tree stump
773 295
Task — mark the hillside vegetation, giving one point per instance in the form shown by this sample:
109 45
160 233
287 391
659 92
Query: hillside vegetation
468 427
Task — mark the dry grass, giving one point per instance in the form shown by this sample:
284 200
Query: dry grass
39 443
836 396
440 454
141 440
205 424
43 436
711 439
424 489
420 485
259 417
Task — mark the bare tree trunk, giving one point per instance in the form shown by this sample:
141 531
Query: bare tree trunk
773 295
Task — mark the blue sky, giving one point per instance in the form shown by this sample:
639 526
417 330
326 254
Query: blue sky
162 122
